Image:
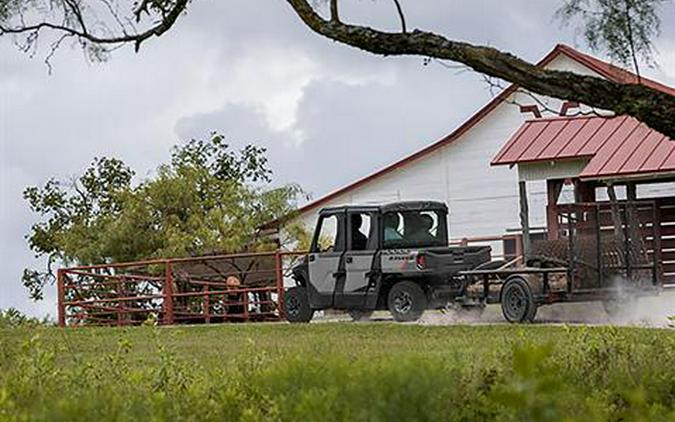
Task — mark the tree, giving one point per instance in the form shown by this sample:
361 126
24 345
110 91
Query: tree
623 27
207 199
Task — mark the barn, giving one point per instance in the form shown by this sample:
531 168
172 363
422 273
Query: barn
483 199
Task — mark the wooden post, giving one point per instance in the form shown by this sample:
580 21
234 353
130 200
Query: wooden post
519 245
61 297
584 191
633 217
553 189
656 230
616 216
524 217
168 294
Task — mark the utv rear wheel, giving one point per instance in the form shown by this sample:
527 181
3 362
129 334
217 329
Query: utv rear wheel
406 301
297 307
517 301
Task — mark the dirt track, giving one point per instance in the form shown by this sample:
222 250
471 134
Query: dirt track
649 311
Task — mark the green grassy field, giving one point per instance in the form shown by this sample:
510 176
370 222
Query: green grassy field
338 372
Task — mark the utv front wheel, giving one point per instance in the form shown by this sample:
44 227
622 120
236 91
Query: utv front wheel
406 301
297 307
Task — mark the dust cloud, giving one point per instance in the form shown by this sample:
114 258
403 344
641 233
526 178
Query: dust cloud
649 311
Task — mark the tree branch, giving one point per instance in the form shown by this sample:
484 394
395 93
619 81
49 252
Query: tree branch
653 107
334 13
400 15
167 21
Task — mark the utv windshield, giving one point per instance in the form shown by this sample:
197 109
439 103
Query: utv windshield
412 229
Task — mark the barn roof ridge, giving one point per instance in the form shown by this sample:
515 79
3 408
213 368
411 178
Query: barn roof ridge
601 67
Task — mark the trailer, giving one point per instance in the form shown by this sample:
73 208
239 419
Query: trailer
606 252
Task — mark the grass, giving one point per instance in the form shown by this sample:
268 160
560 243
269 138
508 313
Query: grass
338 372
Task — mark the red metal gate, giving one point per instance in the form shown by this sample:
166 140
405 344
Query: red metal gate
223 288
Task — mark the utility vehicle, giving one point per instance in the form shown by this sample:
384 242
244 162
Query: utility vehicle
394 256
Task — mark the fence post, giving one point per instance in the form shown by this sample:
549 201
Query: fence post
120 303
168 294
61 294
244 299
280 283
206 304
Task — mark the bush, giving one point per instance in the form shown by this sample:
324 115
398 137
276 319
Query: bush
12 318
335 372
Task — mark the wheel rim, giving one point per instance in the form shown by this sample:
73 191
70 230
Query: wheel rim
515 302
293 306
403 302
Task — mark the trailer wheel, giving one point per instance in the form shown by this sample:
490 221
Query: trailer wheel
517 301
406 301
297 307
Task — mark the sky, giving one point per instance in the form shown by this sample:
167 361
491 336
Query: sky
327 113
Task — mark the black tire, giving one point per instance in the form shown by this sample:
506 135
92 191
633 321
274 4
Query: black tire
296 304
360 315
406 301
517 301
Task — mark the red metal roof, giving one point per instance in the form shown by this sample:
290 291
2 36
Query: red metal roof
615 146
605 69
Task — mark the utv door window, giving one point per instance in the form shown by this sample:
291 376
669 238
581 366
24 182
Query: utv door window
414 229
361 233
328 238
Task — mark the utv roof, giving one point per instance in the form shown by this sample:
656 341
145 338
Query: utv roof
414 206
392 207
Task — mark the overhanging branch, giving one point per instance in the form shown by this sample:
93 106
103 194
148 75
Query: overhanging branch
82 32
653 107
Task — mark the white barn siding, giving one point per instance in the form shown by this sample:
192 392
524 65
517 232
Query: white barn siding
483 200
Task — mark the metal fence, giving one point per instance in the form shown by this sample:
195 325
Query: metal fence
208 289
606 245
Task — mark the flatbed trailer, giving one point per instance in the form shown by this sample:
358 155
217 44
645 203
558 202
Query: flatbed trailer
614 260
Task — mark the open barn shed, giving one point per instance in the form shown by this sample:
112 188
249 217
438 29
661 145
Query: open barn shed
599 160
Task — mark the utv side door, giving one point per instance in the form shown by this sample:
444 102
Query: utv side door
326 265
359 258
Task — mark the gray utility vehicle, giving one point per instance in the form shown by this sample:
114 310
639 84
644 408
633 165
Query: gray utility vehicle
395 256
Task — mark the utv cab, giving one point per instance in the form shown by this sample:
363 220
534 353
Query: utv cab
367 258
